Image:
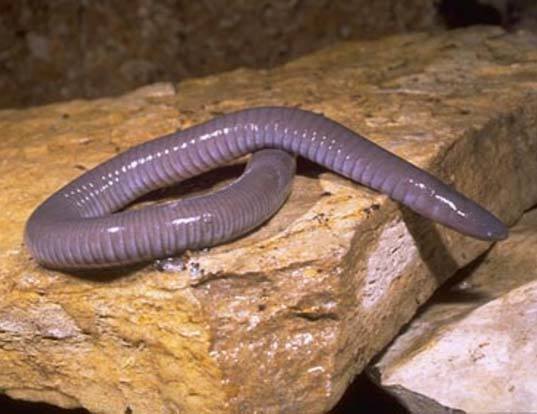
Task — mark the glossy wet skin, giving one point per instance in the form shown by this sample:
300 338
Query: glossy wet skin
79 226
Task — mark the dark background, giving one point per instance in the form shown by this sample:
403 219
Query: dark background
57 50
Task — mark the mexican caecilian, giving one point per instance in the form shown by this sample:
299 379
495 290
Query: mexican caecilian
80 226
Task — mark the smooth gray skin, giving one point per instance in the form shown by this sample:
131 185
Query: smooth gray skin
75 227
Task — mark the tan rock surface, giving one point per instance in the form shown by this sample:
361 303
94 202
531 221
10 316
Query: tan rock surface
474 347
281 320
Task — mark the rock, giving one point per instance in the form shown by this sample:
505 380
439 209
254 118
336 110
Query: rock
69 49
280 320
474 346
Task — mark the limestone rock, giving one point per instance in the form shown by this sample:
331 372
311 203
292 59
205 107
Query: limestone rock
474 348
281 320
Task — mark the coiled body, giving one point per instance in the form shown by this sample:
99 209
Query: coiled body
75 227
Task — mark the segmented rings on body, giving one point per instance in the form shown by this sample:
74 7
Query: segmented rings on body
79 226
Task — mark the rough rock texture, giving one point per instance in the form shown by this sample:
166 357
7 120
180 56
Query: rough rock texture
65 49
474 347
281 320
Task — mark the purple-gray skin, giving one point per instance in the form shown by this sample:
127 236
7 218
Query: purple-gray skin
79 226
